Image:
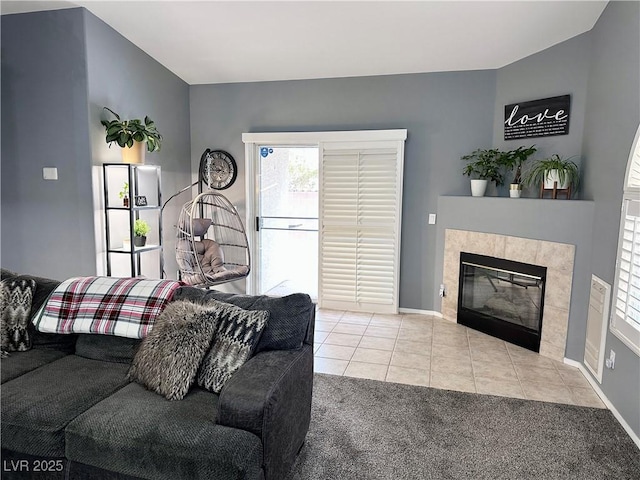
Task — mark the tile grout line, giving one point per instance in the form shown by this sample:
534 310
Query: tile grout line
513 365
433 336
395 343
356 347
473 372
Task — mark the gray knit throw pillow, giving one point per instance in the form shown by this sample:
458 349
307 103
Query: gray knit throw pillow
168 358
234 341
16 295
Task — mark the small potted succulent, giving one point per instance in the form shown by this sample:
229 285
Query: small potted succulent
484 165
124 194
132 136
553 172
140 230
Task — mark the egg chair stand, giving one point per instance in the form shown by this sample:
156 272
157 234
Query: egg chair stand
212 246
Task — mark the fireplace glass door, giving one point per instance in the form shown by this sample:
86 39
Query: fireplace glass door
502 298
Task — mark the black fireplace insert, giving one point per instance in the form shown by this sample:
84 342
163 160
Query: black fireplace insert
502 298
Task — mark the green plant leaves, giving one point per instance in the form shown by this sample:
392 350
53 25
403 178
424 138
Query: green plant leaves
141 228
566 168
485 164
125 132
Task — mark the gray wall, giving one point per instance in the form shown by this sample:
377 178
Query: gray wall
130 82
612 118
58 69
559 70
46 225
446 114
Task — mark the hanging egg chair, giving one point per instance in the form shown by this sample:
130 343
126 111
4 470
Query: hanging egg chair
212 245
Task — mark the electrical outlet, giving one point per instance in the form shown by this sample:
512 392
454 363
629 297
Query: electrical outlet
611 361
432 219
442 292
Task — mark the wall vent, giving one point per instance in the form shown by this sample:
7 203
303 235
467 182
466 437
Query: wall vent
597 319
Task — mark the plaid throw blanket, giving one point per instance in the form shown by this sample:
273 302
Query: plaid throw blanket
125 307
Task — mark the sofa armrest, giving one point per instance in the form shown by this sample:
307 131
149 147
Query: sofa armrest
270 396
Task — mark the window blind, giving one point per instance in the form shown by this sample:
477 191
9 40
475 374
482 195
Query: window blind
633 178
625 320
361 204
628 291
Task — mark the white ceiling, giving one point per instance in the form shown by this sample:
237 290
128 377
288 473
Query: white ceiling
247 41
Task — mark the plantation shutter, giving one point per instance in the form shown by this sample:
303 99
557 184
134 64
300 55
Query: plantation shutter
627 304
633 177
360 213
625 321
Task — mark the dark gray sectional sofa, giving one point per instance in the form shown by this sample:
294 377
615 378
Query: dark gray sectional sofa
69 412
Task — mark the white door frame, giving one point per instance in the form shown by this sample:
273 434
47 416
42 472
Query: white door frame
253 141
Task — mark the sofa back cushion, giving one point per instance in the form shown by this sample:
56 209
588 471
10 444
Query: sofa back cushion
66 343
290 317
107 348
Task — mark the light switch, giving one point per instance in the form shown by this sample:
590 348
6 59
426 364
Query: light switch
50 173
432 219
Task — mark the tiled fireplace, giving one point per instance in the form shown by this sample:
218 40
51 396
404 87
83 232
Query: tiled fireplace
558 258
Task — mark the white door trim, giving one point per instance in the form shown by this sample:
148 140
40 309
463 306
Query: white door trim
252 142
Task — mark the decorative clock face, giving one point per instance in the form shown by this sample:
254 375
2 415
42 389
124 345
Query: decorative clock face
218 169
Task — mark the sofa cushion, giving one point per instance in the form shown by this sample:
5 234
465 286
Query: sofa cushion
107 348
16 295
136 432
44 287
4 273
20 363
168 359
289 316
37 406
236 335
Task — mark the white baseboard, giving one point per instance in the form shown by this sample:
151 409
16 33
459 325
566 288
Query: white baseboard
420 312
604 399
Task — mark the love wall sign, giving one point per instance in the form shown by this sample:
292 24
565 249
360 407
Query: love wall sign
538 118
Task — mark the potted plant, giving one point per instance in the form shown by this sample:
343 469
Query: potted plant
553 172
132 135
140 230
124 194
484 165
514 159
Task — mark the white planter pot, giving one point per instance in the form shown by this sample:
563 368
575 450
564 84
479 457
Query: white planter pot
135 154
515 190
478 187
552 177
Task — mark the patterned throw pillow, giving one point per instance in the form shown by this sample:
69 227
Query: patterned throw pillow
235 339
16 295
168 358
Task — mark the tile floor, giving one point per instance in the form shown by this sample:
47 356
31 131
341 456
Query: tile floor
429 351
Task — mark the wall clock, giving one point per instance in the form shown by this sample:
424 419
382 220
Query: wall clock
218 169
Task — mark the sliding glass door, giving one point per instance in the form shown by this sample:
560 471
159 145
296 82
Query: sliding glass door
287 220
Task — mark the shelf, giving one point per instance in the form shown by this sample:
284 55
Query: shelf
148 207
146 248
143 181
